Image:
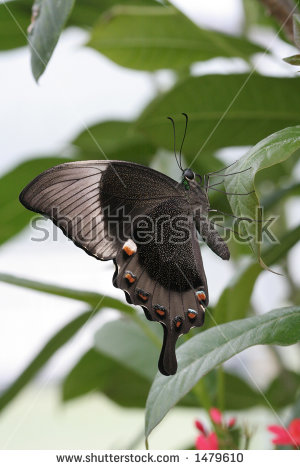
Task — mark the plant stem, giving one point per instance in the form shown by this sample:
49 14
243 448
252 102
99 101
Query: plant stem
282 11
201 393
221 388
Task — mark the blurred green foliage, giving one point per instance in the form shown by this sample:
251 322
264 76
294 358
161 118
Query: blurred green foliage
224 110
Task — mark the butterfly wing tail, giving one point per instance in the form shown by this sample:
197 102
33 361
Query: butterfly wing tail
176 311
167 363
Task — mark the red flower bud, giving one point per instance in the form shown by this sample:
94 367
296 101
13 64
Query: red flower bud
199 426
216 415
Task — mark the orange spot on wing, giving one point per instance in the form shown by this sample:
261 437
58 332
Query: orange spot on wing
201 295
192 315
160 312
128 250
130 277
129 247
143 295
178 322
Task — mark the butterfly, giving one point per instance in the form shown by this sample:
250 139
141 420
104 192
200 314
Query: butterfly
147 223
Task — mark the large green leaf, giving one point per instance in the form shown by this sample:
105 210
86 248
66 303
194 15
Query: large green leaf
15 17
97 372
234 301
206 350
126 342
12 214
86 12
117 139
151 38
50 348
48 20
91 298
270 151
247 110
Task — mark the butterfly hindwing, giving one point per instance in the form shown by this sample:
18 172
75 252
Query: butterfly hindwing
164 277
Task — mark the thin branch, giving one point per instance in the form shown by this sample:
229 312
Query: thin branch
282 11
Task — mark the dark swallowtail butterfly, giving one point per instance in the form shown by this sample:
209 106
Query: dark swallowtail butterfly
147 224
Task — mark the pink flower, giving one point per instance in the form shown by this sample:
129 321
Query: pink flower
207 442
214 440
216 415
289 436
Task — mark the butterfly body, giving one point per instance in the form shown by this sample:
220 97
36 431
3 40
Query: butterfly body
147 224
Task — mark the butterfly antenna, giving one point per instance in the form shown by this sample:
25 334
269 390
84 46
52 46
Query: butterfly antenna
225 168
186 124
174 133
235 173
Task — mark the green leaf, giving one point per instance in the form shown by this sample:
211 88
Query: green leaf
270 151
97 372
91 298
283 389
48 20
151 38
293 59
86 12
281 194
234 301
248 110
207 350
130 345
296 29
50 348
15 17
115 140
97 301
125 342
14 20
13 215
239 395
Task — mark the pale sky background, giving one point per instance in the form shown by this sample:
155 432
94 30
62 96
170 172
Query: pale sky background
80 87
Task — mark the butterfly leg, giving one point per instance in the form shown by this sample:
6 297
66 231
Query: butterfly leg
212 238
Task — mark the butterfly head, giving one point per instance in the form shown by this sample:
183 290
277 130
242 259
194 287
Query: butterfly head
187 177
188 174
